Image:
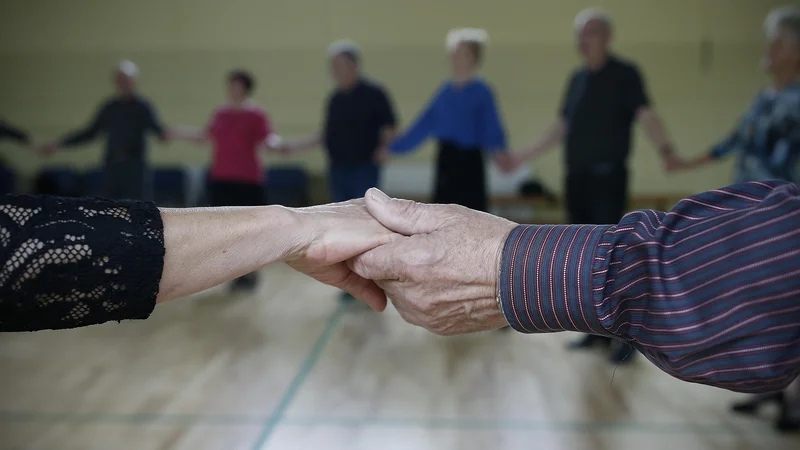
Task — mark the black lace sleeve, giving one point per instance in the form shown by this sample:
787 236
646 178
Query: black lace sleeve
69 263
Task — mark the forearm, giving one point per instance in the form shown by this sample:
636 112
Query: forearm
551 136
76 262
655 130
7 131
209 246
78 137
705 291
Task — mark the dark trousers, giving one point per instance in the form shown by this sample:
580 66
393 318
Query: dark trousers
597 196
461 177
228 193
127 181
351 182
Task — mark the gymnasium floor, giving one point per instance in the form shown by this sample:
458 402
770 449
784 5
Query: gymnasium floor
289 368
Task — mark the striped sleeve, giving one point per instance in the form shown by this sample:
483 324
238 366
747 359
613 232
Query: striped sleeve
709 292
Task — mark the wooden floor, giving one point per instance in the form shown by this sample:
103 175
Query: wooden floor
289 368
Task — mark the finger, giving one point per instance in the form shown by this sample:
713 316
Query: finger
365 290
403 216
377 264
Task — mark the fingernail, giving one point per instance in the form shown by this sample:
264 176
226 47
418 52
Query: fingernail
379 196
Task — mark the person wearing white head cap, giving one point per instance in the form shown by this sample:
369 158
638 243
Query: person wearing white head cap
358 126
464 118
602 100
766 142
125 119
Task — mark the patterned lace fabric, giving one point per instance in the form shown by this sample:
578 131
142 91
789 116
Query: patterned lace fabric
67 263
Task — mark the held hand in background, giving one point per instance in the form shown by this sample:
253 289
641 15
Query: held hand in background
47 149
442 274
329 235
673 162
382 155
507 162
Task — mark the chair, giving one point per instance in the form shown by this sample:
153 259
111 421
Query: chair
60 181
7 180
93 183
169 186
288 186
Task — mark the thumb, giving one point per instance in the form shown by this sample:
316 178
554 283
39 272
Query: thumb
402 216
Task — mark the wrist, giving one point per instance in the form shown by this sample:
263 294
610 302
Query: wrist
287 229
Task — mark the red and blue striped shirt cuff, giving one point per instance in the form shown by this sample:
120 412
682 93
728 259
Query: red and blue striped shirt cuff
546 282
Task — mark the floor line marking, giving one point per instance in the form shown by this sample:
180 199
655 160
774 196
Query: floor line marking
308 364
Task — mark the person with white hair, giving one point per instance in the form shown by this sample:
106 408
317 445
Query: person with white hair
767 143
359 123
126 120
767 137
603 99
463 116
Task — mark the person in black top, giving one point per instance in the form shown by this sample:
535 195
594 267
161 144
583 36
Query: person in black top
603 99
125 119
359 124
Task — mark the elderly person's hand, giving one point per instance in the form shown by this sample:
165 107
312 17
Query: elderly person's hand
442 275
327 236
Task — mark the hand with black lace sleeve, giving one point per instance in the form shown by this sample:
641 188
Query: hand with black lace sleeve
67 263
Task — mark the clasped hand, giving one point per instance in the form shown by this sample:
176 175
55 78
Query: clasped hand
438 264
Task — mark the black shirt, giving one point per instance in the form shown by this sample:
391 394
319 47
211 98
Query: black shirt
353 123
125 121
600 107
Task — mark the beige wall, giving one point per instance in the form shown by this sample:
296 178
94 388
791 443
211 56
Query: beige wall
55 57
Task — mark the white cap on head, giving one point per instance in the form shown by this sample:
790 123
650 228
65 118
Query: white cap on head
128 68
587 15
459 35
343 46
784 16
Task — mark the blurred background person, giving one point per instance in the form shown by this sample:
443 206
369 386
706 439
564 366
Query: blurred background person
464 118
603 99
359 124
767 144
125 119
767 138
237 130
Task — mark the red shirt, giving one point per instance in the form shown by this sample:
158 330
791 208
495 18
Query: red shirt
237 133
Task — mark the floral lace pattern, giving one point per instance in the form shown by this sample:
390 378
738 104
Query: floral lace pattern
67 263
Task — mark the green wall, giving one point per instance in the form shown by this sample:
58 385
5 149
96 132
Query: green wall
56 56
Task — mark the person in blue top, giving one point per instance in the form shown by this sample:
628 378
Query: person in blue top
767 142
464 118
767 137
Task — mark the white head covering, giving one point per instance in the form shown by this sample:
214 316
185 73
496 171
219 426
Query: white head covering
590 14
343 46
787 15
459 35
128 68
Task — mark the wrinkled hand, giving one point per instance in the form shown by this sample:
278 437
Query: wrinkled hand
332 234
442 274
